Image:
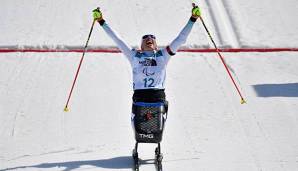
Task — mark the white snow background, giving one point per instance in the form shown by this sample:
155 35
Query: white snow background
207 127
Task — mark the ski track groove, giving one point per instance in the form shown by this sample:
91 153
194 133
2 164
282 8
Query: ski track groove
26 92
17 72
217 79
42 154
236 117
245 131
190 149
228 31
8 82
222 23
216 35
14 124
268 139
133 13
233 28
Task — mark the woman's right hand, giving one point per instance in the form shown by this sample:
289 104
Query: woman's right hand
97 15
195 12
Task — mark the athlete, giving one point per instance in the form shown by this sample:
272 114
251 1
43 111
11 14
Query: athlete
149 63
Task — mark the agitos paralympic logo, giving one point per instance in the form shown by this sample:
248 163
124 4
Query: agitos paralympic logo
147 73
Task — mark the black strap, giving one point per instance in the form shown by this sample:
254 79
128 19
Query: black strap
101 22
170 52
193 19
136 109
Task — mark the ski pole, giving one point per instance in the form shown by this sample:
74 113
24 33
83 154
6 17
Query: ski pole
221 58
77 72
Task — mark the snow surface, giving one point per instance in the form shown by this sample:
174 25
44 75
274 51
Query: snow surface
207 128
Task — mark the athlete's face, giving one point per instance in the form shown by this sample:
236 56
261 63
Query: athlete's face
148 43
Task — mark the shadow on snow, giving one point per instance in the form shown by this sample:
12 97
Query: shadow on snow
124 162
277 90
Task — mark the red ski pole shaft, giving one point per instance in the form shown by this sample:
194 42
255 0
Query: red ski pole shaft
222 60
79 67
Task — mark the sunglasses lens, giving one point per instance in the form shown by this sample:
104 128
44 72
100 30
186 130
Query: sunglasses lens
149 36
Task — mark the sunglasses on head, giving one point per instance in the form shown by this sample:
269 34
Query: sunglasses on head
148 36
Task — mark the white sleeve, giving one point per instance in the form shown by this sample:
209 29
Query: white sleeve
181 38
127 50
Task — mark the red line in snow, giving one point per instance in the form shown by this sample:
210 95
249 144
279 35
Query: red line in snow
114 50
242 50
5 50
